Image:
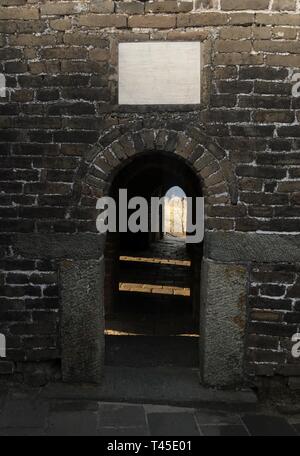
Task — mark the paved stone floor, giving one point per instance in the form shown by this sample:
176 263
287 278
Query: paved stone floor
25 413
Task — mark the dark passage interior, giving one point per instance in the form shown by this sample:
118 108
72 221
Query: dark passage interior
152 279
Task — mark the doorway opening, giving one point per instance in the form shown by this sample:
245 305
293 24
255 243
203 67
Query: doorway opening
152 282
175 216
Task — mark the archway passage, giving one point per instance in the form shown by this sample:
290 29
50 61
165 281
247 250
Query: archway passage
176 158
152 279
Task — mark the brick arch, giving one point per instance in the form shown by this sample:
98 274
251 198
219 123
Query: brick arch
208 160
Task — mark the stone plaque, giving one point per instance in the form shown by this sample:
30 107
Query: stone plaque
156 73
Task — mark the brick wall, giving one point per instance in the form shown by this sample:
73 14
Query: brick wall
59 59
274 315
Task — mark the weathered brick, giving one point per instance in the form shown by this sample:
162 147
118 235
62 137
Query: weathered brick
272 88
85 39
101 6
266 102
32 40
89 93
46 67
31 26
64 53
20 12
228 72
76 136
201 19
228 101
284 5
15 67
60 24
262 33
272 290
283 60
10 54
241 19
152 21
238 87
289 186
265 73
56 8
291 131
235 33
268 356
187 35
132 7
233 46
231 5
168 6
261 172
47 95
286 33
99 55
12 2
277 46
103 20
263 341
21 95
72 66
63 108
273 117
236 58
277 19
7 27
6 367
263 315
205 4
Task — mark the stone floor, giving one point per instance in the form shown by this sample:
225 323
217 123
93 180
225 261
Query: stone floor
169 249
24 413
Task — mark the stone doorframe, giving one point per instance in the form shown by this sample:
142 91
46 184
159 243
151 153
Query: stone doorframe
223 286
222 317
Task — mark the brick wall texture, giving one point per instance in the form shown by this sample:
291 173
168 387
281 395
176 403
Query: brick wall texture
60 62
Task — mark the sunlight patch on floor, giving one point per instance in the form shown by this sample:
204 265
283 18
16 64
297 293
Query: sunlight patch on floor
156 260
115 332
154 289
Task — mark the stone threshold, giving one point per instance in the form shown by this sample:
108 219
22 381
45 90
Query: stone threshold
158 385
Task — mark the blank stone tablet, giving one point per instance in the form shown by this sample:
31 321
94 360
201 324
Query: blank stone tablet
152 73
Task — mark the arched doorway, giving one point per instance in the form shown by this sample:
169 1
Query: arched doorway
223 276
153 279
